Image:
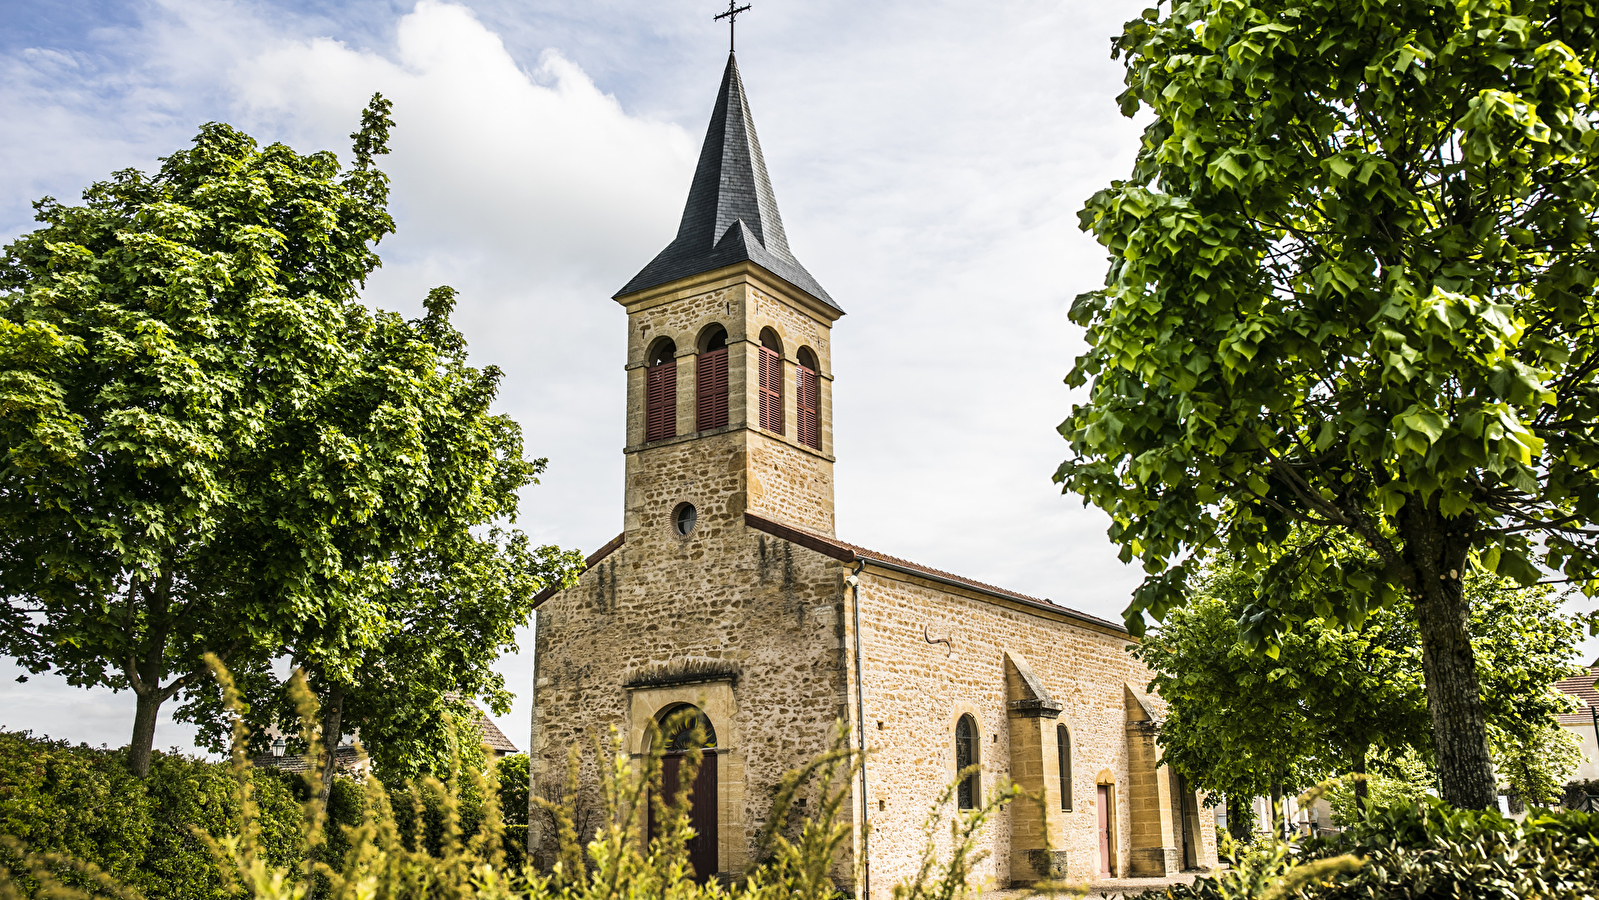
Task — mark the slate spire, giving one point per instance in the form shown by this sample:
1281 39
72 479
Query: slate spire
731 215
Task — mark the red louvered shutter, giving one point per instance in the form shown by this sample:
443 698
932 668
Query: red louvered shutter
710 390
808 403
771 390
660 401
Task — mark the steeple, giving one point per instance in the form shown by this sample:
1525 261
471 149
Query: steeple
731 215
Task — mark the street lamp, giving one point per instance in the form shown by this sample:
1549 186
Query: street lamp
277 747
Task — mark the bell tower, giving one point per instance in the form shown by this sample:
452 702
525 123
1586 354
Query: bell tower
729 357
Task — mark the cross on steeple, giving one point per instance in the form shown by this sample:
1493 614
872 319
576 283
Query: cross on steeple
733 9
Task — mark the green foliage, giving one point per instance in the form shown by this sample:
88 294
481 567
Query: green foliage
1403 781
211 445
1335 699
1535 768
84 804
1418 850
381 856
1350 289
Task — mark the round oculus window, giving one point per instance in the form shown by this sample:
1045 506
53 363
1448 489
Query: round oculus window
685 518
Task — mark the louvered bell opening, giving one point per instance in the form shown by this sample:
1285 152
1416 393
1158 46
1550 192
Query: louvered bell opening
660 401
710 390
808 402
771 375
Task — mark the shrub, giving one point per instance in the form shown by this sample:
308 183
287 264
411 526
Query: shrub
1419 850
382 859
81 802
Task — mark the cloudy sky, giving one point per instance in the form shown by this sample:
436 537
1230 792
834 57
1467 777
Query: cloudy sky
929 158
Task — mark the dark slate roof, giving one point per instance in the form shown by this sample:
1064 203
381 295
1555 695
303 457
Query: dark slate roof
731 215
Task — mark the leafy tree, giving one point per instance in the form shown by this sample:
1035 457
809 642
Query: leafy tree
210 444
1351 289
1335 699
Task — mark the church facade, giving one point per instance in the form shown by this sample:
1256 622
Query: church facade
728 592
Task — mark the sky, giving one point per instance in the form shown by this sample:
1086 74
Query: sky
929 159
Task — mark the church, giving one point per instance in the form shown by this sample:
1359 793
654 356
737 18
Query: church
729 593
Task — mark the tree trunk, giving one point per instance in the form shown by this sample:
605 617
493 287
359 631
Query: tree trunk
1277 807
143 743
332 730
1436 550
1237 826
1360 783
145 675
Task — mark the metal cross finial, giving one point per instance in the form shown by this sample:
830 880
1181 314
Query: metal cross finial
733 9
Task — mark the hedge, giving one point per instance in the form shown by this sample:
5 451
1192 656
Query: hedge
81 802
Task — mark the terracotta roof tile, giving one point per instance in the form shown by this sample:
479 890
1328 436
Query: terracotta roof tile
1581 687
493 737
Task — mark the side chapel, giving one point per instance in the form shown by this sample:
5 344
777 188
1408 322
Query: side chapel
729 592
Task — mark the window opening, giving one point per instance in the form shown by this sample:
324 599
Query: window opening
685 518
710 382
967 746
1063 753
660 392
685 726
771 381
808 400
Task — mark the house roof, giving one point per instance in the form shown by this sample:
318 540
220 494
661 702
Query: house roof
850 553
1581 687
731 215
493 737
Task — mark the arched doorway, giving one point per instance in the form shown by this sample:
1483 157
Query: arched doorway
683 727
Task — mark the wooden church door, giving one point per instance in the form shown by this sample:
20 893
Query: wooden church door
689 727
702 848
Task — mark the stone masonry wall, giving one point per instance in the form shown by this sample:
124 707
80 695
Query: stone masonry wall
726 598
916 690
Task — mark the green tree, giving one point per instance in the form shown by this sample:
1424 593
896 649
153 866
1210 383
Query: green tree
1350 289
1332 699
209 442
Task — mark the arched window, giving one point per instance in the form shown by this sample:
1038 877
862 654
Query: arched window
967 746
1063 752
660 391
710 380
684 726
808 400
771 366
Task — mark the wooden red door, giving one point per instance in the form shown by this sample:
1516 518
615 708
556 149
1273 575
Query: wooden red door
702 849
1104 830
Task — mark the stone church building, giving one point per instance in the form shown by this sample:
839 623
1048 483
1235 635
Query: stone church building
729 591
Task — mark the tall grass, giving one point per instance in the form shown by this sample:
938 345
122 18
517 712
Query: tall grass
801 854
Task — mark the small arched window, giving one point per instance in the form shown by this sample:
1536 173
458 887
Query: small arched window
660 391
808 400
710 380
685 726
771 372
1063 752
968 745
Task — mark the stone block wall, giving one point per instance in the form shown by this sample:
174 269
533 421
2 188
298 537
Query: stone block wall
915 690
745 626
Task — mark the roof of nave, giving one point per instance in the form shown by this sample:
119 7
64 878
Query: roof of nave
845 552
731 215
1581 687
850 553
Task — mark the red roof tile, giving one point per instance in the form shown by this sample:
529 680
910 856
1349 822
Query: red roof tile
1581 687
